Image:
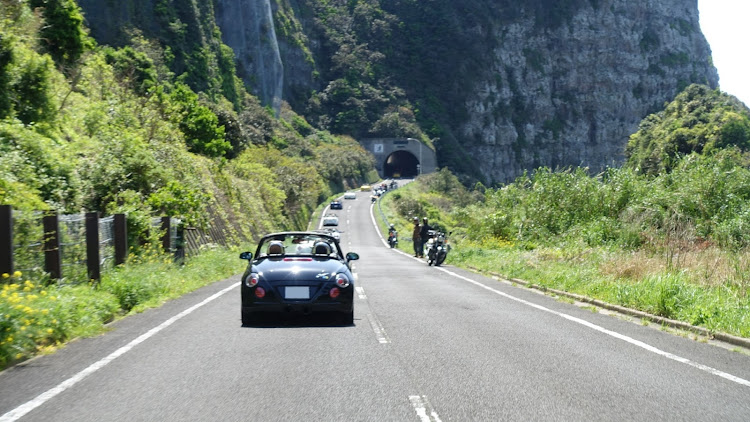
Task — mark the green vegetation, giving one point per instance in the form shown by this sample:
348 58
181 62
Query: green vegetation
147 130
38 318
674 241
699 120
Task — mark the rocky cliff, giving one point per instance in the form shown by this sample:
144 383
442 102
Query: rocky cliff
248 27
572 94
520 85
500 86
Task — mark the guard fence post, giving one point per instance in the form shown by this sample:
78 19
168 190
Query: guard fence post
92 247
51 241
6 239
166 238
121 239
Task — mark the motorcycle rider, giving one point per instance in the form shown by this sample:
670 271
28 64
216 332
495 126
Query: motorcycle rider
415 237
392 235
424 235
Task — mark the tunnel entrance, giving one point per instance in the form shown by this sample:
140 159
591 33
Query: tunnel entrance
401 164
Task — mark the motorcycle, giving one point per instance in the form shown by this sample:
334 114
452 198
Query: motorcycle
392 238
436 248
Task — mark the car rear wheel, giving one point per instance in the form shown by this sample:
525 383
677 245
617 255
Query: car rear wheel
347 318
249 318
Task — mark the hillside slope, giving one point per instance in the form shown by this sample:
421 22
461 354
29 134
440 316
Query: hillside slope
501 87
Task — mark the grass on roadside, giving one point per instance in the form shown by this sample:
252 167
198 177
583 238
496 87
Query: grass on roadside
719 302
37 318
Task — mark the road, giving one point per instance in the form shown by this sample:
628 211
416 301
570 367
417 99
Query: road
428 344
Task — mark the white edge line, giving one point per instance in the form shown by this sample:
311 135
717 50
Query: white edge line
27 407
375 224
603 330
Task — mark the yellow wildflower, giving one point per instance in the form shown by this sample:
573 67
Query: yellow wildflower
17 274
9 339
45 311
43 293
49 331
6 275
19 356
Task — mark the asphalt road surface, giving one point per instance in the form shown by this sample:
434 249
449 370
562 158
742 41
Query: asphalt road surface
428 344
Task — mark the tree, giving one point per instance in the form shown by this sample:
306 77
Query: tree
64 36
699 120
6 57
200 125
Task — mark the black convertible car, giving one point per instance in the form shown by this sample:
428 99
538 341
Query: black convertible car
298 272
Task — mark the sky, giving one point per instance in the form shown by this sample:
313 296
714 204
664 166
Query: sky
726 26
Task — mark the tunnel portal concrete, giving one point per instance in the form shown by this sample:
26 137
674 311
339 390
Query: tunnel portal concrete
400 157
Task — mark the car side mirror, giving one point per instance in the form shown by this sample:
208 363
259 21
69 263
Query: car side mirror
246 255
352 256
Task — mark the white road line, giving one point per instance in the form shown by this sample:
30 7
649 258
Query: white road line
375 224
27 407
360 292
377 327
424 410
603 330
322 213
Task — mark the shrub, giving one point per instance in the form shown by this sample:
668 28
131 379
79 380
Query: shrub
200 125
64 35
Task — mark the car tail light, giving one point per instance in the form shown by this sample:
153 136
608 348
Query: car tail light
260 292
251 280
334 293
342 280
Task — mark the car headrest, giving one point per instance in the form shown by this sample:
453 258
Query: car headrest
322 248
276 248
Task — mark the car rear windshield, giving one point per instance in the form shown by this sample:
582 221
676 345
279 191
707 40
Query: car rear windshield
302 245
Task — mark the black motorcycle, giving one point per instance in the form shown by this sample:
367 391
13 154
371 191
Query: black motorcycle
392 238
436 248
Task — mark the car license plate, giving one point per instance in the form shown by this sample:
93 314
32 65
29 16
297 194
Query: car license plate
297 293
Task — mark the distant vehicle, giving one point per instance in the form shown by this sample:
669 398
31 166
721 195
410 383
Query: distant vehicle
330 220
336 205
331 231
350 195
282 277
365 188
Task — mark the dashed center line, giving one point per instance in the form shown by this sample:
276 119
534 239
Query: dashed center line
424 410
378 329
361 293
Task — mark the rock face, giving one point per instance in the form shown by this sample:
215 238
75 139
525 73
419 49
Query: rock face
572 95
248 27
550 83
